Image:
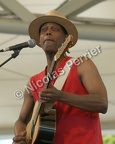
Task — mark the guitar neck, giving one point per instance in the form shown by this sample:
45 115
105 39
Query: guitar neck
49 74
50 78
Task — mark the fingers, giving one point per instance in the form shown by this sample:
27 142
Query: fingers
21 142
49 95
20 139
44 97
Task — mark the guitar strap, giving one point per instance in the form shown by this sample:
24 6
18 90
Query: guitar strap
59 83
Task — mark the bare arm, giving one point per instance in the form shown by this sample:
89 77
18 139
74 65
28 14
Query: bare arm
96 99
26 111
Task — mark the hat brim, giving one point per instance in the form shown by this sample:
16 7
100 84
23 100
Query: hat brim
38 22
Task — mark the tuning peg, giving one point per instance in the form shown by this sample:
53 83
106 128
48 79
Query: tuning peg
68 51
71 44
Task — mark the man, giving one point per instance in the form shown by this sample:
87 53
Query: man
83 95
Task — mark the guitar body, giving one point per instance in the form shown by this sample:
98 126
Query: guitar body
29 138
37 132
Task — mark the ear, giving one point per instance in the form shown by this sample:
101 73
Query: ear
39 43
66 35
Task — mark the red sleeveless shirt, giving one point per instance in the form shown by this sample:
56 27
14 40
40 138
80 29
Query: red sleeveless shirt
73 125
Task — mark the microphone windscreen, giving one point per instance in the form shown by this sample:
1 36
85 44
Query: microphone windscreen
31 43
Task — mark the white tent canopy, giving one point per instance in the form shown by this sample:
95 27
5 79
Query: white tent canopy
95 21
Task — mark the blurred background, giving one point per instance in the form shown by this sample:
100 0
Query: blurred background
95 21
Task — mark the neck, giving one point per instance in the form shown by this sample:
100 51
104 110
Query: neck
50 58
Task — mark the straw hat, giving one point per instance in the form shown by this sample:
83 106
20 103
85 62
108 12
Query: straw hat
56 17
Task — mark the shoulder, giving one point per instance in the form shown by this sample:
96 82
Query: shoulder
86 65
85 61
37 76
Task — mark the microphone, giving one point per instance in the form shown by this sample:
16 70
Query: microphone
30 43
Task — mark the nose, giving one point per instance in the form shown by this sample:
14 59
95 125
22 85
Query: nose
48 32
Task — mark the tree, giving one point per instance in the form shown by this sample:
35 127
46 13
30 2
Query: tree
109 139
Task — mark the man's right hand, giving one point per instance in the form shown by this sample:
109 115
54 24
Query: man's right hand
20 138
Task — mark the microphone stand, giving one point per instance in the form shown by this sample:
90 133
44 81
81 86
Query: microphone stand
14 55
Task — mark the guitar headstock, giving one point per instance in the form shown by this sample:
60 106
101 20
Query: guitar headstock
64 47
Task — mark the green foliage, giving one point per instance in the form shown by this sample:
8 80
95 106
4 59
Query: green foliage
109 139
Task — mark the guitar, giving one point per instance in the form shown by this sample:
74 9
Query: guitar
34 124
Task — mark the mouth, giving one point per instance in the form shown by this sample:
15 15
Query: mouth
48 40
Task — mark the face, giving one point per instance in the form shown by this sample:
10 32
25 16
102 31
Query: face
52 36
